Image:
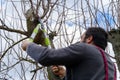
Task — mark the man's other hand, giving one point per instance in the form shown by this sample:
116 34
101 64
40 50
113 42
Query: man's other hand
59 71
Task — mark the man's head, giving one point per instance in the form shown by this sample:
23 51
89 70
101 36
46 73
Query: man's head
96 36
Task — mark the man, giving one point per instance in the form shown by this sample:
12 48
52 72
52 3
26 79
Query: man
58 70
85 60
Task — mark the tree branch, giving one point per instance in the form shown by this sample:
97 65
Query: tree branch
45 8
13 30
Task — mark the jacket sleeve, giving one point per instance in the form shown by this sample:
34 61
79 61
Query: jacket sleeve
64 56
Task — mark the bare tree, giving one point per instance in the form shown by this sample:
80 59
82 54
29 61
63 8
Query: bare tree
64 21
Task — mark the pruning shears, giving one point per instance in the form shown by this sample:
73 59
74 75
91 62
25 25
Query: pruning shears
35 31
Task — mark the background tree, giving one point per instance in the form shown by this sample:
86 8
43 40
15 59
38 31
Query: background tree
66 19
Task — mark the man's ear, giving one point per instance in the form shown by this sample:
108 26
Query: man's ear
89 39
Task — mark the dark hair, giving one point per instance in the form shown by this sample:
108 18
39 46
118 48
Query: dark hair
100 36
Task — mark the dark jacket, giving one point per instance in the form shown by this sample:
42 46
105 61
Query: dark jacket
83 61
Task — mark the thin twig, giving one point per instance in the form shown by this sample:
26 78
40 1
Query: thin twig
11 47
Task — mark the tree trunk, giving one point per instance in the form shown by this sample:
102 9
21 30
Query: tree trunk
114 38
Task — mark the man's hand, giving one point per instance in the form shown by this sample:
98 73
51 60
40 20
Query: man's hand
59 71
24 45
